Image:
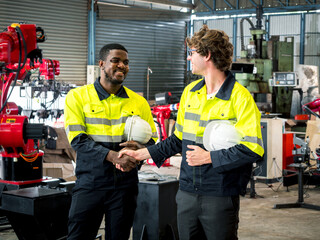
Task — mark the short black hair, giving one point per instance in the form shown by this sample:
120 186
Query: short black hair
104 51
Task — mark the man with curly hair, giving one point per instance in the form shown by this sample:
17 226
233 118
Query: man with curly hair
211 181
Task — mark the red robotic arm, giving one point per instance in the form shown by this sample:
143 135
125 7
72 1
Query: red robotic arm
9 42
163 112
312 107
18 138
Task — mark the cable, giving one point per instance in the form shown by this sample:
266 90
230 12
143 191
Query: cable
241 31
275 170
29 159
56 91
160 132
270 186
20 35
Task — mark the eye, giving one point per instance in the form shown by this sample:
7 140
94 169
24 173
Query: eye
126 62
114 60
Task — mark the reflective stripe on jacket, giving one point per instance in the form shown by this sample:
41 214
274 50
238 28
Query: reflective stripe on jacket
230 170
235 104
95 122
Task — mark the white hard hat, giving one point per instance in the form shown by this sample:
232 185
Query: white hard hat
220 135
137 129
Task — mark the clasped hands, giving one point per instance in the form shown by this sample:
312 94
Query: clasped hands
132 154
125 161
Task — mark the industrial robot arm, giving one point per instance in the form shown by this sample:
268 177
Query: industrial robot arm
18 138
312 107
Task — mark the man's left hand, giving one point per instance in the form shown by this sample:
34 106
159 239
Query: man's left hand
198 156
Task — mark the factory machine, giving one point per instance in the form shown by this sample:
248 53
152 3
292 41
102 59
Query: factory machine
36 208
265 68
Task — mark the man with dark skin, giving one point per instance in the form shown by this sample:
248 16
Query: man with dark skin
113 72
95 118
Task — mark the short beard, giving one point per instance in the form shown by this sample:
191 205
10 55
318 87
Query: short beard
113 81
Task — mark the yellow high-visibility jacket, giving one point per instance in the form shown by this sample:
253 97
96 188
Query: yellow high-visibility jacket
231 168
95 122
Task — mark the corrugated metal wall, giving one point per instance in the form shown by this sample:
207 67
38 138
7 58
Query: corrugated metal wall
155 44
65 25
312 40
197 24
225 25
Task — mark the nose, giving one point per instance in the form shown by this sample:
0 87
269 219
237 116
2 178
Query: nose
189 58
121 64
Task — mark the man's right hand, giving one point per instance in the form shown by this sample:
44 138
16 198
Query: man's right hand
139 155
126 162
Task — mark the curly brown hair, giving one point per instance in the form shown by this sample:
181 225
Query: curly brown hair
217 43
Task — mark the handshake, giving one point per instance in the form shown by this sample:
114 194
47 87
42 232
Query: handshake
128 157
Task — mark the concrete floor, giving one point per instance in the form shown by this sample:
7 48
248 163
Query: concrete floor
258 219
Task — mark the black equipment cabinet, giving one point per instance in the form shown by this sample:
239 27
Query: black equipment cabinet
264 161
37 213
17 169
156 214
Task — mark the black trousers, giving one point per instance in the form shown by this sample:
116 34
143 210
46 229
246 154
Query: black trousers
89 206
206 217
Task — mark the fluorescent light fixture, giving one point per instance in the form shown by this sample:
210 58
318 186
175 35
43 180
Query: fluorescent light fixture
173 3
185 10
113 4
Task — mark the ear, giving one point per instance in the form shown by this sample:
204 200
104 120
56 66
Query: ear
208 57
100 63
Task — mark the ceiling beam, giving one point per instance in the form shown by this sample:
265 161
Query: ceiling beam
253 3
229 4
282 5
265 10
207 6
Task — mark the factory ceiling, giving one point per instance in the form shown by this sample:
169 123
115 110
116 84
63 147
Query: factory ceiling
217 7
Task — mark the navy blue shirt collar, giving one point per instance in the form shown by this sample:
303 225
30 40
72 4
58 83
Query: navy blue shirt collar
225 91
103 94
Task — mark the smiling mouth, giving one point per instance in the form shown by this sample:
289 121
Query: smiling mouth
120 72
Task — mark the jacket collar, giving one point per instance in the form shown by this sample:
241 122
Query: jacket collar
224 92
103 94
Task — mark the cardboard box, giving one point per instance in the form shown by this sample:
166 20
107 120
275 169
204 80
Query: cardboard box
56 158
59 170
289 124
313 133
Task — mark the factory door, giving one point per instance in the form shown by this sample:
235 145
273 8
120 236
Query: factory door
157 45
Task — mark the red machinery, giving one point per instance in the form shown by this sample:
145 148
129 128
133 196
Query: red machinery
20 154
312 107
163 112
